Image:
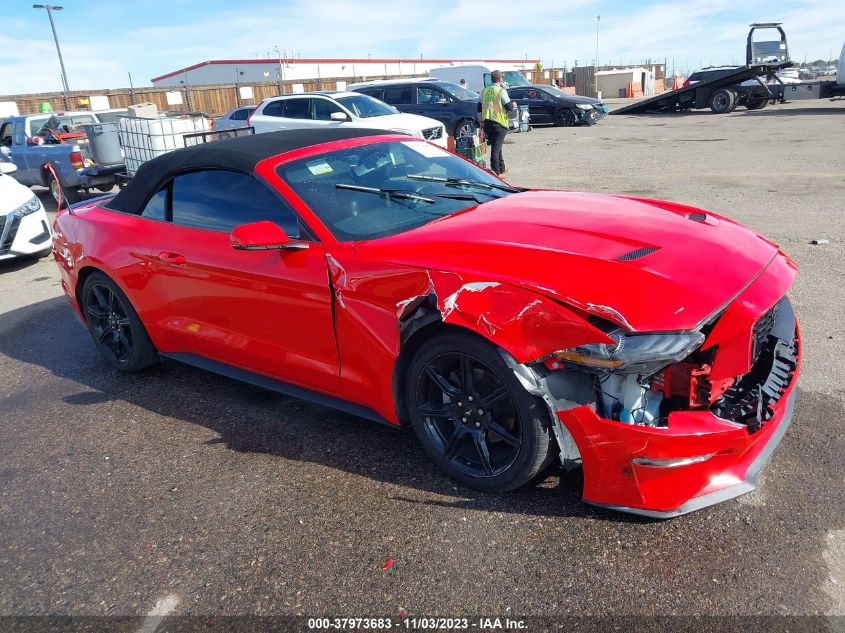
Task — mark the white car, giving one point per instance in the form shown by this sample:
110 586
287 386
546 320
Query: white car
24 227
341 109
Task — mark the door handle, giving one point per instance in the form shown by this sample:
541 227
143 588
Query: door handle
171 258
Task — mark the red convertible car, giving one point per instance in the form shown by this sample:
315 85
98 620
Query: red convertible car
649 342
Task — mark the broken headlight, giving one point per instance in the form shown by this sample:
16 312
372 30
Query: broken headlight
634 353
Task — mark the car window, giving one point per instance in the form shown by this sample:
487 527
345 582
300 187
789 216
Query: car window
356 210
376 93
457 91
364 106
220 200
428 95
35 124
274 108
517 93
156 208
323 109
297 109
19 133
6 134
241 115
398 95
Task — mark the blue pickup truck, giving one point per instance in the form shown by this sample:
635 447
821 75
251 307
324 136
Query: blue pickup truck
34 140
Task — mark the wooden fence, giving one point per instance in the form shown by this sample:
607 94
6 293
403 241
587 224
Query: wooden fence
213 100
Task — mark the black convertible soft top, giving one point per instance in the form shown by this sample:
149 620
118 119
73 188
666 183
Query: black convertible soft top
235 154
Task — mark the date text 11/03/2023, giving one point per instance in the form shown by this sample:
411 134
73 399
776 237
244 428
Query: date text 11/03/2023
418 623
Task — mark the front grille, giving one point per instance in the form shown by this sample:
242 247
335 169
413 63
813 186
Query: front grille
432 133
760 332
750 399
7 234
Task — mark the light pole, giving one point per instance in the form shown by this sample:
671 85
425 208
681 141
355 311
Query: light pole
596 60
50 8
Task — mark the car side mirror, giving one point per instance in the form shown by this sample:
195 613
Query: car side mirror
339 116
8 168
262 236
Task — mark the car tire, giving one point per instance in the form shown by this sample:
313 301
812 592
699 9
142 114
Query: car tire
722 101
466 127
502 439
565 118
71 195
757 104
114 326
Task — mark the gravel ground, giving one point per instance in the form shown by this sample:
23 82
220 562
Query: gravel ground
179 491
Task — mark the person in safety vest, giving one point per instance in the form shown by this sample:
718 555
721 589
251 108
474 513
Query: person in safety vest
494 107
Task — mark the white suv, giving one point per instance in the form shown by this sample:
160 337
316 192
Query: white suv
24 227
343 109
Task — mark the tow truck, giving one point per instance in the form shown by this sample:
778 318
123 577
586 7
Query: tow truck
723 91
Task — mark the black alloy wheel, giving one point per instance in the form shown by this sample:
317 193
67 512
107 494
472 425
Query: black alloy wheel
474 418
565 118
114 326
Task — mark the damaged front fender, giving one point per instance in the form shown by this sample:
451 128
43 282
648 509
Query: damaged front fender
526 324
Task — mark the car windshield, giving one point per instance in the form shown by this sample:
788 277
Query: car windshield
511 77
458 91
384 188
365 107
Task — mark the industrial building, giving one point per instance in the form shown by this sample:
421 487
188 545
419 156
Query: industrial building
248 71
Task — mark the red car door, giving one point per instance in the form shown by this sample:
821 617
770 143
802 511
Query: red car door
269 312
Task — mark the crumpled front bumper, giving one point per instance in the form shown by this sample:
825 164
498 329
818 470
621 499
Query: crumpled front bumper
696 461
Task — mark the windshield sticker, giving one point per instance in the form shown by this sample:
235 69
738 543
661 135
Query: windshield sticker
425 149
319 168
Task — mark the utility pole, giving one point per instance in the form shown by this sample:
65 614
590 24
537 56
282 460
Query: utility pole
50 8
131 90
281 68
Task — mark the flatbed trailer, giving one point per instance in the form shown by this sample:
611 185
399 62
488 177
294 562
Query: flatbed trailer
719 94
725 90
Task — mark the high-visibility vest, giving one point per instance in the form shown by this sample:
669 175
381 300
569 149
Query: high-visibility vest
491 105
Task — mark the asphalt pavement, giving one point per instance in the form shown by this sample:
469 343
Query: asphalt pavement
179 492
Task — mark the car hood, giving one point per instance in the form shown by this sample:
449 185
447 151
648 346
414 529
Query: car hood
12 194
403 120
644 264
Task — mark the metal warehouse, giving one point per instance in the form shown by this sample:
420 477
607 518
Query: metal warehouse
225 71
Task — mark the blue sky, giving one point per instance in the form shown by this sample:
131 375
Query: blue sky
104 40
